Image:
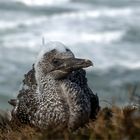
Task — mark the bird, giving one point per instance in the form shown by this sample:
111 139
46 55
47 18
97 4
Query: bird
55 93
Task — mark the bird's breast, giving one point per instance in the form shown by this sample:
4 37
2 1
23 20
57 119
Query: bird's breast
53 109
78 103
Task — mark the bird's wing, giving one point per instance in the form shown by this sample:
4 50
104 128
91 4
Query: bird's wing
94 100
23 104
79 77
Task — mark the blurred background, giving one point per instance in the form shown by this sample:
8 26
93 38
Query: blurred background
105 31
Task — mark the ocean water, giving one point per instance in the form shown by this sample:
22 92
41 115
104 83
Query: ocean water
105 31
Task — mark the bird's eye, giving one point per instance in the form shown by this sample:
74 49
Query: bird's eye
56 62
67 50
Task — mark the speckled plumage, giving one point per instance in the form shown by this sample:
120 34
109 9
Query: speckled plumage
55 94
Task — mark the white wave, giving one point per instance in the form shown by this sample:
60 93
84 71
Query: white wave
5 24
30 40
83 37
42 2
79 15
132 65
113 12
96 13
21 22
103 37
107 57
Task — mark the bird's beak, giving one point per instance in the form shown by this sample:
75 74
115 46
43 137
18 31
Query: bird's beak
71 64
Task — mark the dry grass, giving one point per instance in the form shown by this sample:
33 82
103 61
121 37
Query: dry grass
111 124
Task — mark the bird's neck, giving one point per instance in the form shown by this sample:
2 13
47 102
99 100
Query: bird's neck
46 80
39 75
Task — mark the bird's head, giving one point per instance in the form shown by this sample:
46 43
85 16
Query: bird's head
58 61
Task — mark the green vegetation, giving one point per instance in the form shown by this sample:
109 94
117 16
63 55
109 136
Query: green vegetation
111 124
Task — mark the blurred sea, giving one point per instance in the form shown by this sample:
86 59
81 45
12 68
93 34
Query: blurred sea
105 31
